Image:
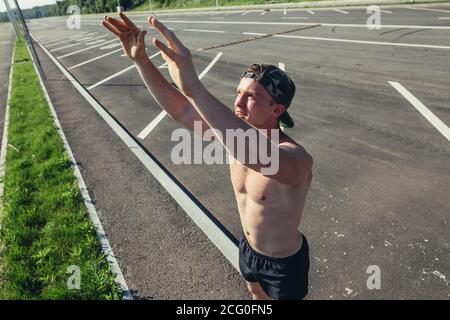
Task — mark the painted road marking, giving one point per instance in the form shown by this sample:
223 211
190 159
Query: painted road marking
85 49
435 121
340 11
117 74
80 41
254 34
262 23
152 125
294 18
164 66
65 37
444 18
200 30
244 13
93 59
52 43
366 42
94 42
310 11
110 46
66 46
263 13
281 66
284 12
428 9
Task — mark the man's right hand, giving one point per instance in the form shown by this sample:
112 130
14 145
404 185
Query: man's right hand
131 37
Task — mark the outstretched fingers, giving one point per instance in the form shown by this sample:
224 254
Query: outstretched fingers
167 34
165 49
120 25
130 24
110 27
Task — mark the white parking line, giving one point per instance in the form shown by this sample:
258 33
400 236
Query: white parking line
347 25
230 13
281 66
254 34
294 18
263 13
284 12
79 42
101 37
341 11
211 64
366 42
152 125
111 46
117 74
435 121
164 66
93 59
85 49
385 11
61 37
200 30
66 46
444 18
94 42
310 12
51 43
246 12
428 9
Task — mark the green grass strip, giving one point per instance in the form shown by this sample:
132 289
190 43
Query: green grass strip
46 227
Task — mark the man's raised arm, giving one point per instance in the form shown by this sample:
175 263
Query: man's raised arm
168 97
296 162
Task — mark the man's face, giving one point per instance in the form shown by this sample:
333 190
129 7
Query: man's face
253 104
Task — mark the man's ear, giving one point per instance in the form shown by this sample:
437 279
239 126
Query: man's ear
279 110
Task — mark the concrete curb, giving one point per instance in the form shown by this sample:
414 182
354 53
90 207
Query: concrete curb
5 137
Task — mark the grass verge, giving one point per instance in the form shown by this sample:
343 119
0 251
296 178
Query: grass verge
46 227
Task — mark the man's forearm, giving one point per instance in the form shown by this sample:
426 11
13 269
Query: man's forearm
219 117
169 98
215 112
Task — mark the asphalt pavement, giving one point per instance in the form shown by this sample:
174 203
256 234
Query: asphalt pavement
379 194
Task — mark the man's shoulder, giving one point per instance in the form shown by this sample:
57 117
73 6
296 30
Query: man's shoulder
297 150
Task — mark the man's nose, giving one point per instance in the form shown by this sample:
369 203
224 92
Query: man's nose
239 102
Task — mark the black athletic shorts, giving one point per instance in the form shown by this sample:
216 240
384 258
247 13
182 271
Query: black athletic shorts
280 278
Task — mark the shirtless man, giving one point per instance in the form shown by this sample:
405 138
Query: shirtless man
273 254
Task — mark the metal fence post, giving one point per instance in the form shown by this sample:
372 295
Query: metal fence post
30 41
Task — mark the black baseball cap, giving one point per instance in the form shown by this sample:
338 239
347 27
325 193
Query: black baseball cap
278 84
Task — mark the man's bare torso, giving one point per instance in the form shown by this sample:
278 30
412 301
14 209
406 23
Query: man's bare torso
270 211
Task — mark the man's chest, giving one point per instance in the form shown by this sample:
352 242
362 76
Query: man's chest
251 185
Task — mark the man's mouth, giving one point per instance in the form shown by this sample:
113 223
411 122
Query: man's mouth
241 114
